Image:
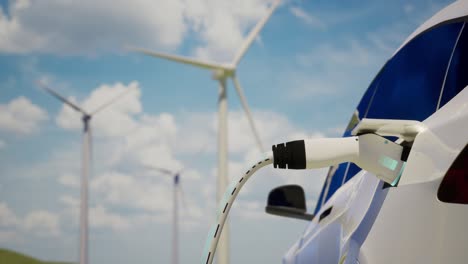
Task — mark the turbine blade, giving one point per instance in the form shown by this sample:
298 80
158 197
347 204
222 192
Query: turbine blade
60 97
254 32
240 92
181 59
113 100
161 170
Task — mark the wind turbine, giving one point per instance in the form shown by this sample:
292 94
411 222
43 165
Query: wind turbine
222 72
86 162
175 208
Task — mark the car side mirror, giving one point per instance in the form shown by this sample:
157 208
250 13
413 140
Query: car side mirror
288 201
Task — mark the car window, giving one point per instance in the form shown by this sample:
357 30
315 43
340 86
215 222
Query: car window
420 78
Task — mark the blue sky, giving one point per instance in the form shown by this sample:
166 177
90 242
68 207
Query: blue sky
302 77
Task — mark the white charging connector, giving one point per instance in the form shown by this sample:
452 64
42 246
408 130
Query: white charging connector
371 152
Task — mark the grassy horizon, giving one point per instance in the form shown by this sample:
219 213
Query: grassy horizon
8 256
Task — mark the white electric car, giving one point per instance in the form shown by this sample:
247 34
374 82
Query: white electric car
424 217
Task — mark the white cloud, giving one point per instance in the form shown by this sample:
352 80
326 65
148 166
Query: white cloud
123 190
307 18
69 180
100 217
50 26
7 217
38 223
71 211
221 25
70 202
408 8
115 120
250 210
2 144
7 236
126 135
21 116
42 223
198 128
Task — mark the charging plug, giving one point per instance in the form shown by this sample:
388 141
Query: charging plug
371 152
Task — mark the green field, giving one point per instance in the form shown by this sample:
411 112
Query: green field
11 257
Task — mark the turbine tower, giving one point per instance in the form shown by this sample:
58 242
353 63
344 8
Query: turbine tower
175 209
85 163
222 72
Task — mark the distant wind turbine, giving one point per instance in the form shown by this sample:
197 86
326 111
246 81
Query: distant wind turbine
177 187
221 72
86 162
175 208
